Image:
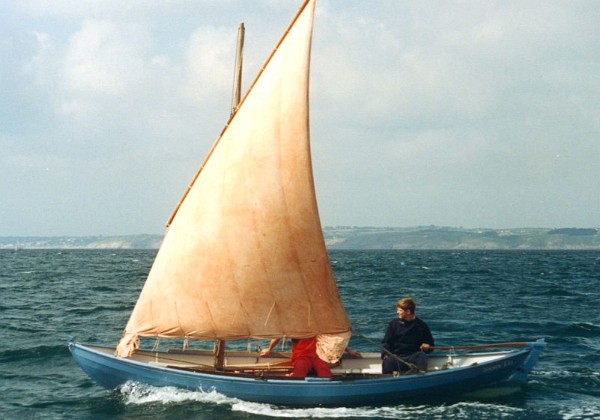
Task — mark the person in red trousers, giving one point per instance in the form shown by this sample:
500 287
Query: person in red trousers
304 358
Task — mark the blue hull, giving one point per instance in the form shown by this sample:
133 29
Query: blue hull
509 369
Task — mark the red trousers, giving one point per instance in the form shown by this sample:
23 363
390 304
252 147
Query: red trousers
305 359
304 365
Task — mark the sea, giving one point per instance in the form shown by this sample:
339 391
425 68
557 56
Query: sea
466 297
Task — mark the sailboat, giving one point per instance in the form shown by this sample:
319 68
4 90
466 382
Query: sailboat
244 258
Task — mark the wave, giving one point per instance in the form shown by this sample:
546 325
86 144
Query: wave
569 332
93 309
575 381
583 329
104 289
41 352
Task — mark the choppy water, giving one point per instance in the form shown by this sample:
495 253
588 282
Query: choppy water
467 297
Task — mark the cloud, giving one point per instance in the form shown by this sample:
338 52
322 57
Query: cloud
466 113
208 56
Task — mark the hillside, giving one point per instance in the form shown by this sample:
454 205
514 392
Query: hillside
347 237
434 237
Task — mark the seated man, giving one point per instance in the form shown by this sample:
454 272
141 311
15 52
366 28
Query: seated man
407 339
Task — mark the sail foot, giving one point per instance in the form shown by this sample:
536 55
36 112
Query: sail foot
331 347
128 344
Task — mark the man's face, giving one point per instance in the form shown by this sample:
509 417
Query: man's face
402 313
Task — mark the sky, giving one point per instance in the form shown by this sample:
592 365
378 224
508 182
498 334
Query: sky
474 114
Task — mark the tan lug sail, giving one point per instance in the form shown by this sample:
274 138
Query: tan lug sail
244 255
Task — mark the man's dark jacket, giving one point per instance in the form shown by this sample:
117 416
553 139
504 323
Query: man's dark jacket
405 337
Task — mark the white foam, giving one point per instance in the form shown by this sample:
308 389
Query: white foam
138 394
460 410
320 412
580 410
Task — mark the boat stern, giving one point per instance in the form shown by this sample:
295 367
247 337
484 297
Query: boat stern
536 349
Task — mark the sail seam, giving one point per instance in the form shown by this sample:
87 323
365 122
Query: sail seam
269 314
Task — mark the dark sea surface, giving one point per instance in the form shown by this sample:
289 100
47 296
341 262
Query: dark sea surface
466 297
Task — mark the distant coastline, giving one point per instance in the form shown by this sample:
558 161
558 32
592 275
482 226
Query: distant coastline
440 237
353 237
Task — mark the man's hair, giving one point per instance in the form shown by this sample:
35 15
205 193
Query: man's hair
407 304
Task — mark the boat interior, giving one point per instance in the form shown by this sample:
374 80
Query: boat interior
278 364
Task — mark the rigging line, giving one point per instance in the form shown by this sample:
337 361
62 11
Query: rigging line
156 344
270 312
180 361
163 356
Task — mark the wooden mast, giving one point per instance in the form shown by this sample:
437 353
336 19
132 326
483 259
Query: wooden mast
237 75
235 101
